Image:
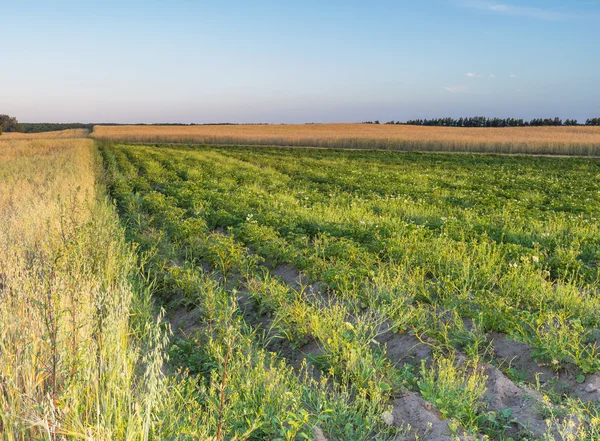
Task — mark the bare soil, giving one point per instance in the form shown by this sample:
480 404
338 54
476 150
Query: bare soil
420 419
518 355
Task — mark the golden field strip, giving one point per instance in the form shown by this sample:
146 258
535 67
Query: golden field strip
59 134
583 141
70 364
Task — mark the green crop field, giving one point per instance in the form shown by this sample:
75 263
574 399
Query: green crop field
300 221
351 295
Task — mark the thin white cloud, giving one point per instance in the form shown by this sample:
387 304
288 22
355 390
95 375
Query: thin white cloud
456 89
513 75
520 11
499 8
479 75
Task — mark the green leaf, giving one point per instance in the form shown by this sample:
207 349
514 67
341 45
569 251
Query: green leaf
385 387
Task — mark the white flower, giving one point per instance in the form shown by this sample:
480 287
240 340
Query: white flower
536 259
387 417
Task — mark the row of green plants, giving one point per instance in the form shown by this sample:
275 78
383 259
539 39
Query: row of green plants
229 383
543 285
412 245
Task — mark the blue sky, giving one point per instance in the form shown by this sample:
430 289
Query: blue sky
309 61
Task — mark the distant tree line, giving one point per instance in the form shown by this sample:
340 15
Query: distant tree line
482 121
53 127
593 122
10 124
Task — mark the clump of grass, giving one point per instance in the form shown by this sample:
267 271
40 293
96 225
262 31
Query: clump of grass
572 421
455 389
348 352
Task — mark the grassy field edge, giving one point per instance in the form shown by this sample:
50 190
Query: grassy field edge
80 347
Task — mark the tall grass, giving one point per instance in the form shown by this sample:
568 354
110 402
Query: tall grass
584 141
59 134
80 355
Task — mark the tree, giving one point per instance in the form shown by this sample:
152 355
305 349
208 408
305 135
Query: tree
9 124
593 122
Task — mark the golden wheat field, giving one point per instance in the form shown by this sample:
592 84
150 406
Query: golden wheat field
534 140
59 134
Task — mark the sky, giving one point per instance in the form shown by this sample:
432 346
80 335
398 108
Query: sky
294 62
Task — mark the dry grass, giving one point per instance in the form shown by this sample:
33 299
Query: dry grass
34 173
59 134
68 361
532 140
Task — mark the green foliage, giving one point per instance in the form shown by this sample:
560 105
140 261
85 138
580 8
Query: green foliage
9 124
52 127
482 121
455 389
448 247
